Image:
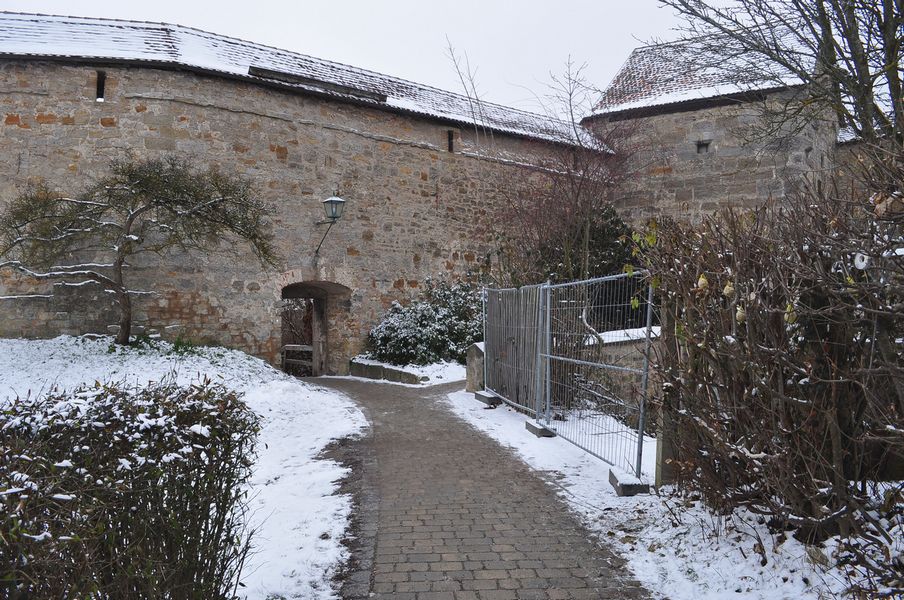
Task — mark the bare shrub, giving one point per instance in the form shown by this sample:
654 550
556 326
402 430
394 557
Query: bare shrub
296 315
118 492
781 361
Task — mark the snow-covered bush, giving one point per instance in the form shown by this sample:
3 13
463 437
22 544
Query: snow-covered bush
110 491
440 326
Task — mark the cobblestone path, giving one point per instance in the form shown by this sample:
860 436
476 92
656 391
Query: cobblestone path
447 514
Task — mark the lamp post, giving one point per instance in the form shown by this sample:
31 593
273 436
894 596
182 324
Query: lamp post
332 207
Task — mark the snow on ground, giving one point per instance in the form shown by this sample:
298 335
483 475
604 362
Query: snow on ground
441 372
299 522
444 372
674 546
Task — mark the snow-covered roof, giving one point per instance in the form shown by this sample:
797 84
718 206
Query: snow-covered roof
176 46
675 73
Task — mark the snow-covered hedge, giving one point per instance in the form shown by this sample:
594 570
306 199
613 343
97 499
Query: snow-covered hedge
111 491
438 327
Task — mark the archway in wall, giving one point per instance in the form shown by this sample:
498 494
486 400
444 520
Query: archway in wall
304 313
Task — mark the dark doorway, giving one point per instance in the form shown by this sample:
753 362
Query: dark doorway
303 311
297 339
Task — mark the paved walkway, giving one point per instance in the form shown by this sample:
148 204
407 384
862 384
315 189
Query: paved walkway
458 517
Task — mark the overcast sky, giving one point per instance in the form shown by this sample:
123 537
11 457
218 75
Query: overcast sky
514 46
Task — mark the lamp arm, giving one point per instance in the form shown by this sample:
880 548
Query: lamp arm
332 222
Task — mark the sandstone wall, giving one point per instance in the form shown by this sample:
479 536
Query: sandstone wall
414 209
672 176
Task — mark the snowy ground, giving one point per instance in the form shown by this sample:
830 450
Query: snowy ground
674 546
299 520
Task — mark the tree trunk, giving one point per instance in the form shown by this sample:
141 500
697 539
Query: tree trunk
862 93
125 319
891 25
839 480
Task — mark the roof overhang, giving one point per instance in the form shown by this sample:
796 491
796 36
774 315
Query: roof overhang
691 104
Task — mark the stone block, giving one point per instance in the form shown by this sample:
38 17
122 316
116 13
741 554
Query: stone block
488 398
539 430
384 372
474 381
627 485
400 376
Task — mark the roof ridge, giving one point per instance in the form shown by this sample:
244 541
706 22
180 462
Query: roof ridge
217 36
79 18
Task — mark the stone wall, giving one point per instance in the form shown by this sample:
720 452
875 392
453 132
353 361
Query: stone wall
687 163
414 209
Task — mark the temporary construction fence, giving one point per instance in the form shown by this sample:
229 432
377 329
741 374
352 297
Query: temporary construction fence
575 356
513 329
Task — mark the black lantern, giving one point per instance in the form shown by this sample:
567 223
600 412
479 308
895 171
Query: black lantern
333 206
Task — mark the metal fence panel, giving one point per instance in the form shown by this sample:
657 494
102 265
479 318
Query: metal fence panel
575 356
597 344
511 336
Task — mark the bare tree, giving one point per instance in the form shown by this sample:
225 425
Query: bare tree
556 217
563 225
297 321
843 54
141 206
557 220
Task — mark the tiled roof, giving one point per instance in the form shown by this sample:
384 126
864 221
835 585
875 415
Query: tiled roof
44 36
679 72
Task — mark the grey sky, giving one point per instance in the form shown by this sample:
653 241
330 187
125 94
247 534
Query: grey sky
514 46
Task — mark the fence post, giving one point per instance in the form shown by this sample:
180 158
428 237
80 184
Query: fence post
538 379
486 354
667 433
645 381
545 291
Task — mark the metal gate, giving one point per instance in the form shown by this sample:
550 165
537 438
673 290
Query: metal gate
575 356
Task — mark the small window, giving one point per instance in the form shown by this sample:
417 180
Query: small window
450 140
703 147
101 85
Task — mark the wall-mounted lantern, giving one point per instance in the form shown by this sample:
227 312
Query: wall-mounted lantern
332 208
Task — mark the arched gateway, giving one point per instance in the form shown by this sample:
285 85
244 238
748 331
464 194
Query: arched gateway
308 314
